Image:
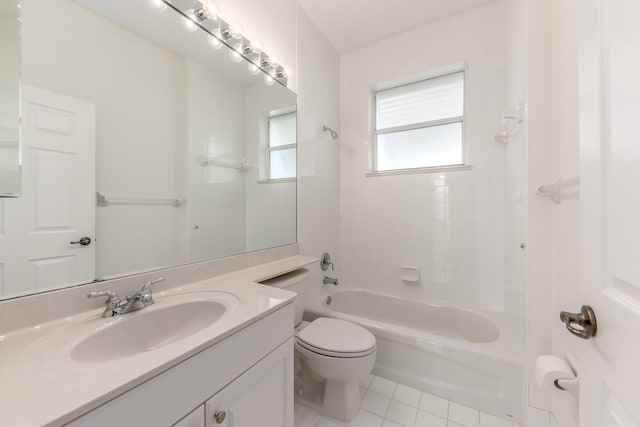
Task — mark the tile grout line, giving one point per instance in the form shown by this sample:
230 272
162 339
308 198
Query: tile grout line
389 405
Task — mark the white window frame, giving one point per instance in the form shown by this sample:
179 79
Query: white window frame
444 71
269 149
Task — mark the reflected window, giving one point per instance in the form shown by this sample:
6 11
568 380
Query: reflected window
281 146
420 124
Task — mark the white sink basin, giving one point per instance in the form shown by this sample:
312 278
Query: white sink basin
147 331
95 339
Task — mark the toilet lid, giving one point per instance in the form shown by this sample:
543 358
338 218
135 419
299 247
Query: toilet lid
337 336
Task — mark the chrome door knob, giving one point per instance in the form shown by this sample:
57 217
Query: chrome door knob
84 241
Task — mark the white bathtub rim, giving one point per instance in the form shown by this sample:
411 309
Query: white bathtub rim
505 347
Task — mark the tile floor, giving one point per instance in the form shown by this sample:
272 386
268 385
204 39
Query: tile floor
389 404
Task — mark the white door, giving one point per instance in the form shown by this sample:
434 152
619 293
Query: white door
610 210
57 204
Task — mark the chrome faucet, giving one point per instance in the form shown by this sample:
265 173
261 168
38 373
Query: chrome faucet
114 306
326 280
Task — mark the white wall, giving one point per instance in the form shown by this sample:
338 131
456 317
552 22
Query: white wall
565 292
318 154
91 68
539 243
553 252
450 225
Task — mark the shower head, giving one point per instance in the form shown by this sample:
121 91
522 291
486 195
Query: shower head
332 132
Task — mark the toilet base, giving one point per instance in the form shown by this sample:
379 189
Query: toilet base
338 400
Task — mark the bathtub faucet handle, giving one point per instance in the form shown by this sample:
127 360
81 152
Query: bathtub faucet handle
325 262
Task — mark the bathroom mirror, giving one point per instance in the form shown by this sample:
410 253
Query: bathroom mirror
144 147
9 99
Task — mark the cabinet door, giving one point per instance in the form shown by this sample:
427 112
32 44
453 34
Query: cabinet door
194 419
262 396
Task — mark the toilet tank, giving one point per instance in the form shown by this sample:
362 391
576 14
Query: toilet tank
295 281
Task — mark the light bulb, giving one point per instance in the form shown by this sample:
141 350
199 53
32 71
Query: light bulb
214 42
209 12
255 48
275 61
268 80
254 69
188 23
158 5
234 55
232 31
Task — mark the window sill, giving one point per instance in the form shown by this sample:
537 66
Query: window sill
433 169
276 181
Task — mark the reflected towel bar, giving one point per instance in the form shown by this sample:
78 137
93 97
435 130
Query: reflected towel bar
554 190
206 161
104 201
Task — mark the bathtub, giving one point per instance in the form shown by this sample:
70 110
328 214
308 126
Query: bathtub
468 355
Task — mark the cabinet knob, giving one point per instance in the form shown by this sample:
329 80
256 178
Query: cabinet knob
220 416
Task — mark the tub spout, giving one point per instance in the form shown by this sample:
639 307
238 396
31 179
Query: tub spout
331 280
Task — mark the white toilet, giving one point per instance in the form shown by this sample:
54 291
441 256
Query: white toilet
334 355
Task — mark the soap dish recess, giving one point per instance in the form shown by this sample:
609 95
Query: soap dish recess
409 274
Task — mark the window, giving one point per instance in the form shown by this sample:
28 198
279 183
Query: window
420 124
281 146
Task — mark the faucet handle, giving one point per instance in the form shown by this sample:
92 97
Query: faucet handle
145 296
147 285
325 262
110 294
112 303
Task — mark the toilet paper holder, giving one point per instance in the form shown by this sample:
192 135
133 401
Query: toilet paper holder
570 385
563 373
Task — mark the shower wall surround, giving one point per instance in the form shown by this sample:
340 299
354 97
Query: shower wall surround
318 154
449 224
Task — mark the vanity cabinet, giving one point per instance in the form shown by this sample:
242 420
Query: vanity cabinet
248 376
194 419
259 397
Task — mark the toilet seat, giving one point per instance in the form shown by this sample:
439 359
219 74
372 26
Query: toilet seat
336 338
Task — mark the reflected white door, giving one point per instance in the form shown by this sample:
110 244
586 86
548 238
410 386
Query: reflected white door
610 210
57 205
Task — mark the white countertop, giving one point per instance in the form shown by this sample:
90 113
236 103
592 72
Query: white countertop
42 386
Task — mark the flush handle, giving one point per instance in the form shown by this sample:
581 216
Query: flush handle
583 324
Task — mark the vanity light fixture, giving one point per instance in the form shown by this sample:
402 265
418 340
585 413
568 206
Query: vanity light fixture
230 32
250 49
205 13
206 16
267 61
280 72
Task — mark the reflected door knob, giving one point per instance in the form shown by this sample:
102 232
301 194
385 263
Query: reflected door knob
220 416
84 241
